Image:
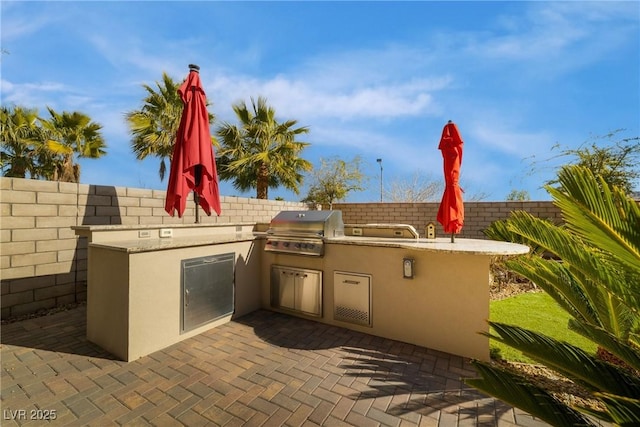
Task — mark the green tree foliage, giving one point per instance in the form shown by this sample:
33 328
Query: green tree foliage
71 135
47 148
22 139
260 152
613 158
154 126
333 180
594 275
518 196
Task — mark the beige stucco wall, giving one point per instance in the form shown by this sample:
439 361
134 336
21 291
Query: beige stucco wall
134 299
444 307
108 303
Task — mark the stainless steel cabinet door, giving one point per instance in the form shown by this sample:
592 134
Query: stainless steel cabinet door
296 289
308 292
207 289
286 289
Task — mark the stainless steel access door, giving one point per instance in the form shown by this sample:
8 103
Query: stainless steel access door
207 289
352 297
297 289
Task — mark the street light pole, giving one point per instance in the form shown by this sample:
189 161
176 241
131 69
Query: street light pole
380 163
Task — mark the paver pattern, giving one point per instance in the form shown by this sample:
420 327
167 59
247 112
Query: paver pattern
263 369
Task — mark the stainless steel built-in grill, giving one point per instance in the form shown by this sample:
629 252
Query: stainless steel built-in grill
303 232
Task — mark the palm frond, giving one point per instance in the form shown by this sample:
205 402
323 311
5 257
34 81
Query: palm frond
616 346
573 251
595 280
605 218
59 148
569 360
577 294
499 230
555 279
260 152
623 411
517 391
154 125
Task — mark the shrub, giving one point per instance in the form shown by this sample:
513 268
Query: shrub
594 274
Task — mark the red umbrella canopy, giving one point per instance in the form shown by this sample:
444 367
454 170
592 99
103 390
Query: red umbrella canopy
193 166
451 211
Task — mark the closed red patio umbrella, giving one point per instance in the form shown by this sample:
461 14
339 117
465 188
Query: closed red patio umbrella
451 211
193 165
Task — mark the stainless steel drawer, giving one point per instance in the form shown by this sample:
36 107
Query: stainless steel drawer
352 298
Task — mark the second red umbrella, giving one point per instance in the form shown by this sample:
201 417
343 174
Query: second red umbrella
451 211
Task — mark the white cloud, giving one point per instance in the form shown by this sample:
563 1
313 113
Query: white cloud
413 154
339 94
556 36
32 94
512 141
307 99
20 26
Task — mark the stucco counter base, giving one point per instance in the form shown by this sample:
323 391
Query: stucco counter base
444 306
134 290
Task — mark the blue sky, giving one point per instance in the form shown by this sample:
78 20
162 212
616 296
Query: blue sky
370 79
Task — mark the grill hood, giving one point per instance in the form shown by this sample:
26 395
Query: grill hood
310 223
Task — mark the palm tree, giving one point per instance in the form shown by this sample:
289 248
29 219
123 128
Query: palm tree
21 137
70 134
260 152
155 125
596 281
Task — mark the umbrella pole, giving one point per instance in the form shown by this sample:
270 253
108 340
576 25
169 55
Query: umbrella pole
197 171
453 238
195 199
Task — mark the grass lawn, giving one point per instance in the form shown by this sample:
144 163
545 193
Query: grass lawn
538 312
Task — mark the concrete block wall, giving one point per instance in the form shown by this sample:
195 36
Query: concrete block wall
478 215
44 264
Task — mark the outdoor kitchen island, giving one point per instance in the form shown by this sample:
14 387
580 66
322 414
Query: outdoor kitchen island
428 292
382 281
151 286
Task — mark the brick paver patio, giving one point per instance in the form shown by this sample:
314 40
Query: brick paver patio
264 369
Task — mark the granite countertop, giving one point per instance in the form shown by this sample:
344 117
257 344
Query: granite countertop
120 227
441 244
150 245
